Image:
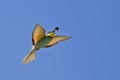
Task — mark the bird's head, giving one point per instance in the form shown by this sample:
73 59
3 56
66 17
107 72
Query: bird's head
52 33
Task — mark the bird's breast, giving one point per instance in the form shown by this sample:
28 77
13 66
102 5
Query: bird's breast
43 42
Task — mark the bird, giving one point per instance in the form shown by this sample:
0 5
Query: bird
42 40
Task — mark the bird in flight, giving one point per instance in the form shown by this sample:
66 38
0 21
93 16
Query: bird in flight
42 40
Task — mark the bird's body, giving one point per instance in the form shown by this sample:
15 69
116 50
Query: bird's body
40 40
43 42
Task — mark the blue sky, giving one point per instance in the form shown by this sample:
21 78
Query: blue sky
93 53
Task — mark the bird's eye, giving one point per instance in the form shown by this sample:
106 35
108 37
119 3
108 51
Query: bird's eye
56 28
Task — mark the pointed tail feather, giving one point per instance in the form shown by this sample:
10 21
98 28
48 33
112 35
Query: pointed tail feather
30 57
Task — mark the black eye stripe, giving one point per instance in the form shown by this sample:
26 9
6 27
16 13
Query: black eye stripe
50 32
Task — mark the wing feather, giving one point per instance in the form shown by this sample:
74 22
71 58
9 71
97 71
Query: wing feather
37 34
57 39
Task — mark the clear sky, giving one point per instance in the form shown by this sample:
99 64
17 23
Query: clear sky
93 53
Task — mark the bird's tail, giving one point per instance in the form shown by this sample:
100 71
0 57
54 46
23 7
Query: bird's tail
30 57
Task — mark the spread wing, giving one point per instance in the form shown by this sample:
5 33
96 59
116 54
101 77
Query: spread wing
57 39
37 34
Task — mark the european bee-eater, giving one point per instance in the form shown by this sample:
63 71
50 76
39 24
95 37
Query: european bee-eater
42 40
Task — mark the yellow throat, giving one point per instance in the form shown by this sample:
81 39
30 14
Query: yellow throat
52 33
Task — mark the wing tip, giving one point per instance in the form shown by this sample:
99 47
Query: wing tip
69 37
